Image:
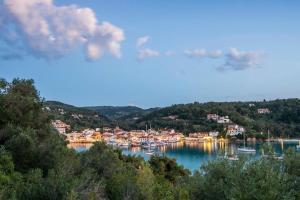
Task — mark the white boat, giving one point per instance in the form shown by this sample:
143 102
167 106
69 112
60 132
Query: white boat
161 144
153 144
233 158
112 142
147 145
298 147
150 152
124 144
246 149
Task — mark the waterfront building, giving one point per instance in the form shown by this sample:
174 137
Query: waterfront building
213 117
218 119
223 120
263 111
214 133
60 126
234 129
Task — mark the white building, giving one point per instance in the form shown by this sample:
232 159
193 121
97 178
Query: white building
60 126
263 111
233 130
223 120
214 133
214 117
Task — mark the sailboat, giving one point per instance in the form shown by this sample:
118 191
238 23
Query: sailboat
270 154
246 149
150 152
232 157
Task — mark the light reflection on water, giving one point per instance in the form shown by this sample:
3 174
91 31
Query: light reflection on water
192 155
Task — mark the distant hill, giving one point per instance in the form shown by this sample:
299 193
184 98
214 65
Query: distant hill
123 116
96 116
117 112
77 117
282 121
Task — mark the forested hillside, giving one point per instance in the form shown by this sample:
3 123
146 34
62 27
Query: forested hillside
78 118
117 112
282 121
36 164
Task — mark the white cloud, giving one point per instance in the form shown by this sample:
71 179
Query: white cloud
240 60
44 30
203 53
215 54
145 53
142 40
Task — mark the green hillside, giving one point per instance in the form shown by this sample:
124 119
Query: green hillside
117 112
282 121
35 162
78 118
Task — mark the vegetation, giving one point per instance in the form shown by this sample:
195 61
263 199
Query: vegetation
117 112
283 121
36 164
78 118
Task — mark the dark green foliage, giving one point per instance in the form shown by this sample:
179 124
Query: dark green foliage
36 164
117 112
82 118
168 168
283 121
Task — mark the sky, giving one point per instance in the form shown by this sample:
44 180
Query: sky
152 53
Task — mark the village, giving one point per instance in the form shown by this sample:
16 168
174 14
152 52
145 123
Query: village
149 137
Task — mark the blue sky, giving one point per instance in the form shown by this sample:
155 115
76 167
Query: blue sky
259 43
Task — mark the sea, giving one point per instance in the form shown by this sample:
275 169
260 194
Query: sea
193 155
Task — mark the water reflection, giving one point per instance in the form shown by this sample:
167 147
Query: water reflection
80 147
193 154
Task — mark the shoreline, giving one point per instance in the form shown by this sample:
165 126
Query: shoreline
216 140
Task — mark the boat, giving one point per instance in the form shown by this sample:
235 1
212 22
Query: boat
153 144
278 157
124 144
150 152
147 145
298 147
246 149
135 144
112 142
232 157
161 144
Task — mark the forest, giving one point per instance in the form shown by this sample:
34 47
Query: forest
282 121
35 162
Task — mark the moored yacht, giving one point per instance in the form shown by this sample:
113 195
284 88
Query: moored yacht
246 149
232 157
150 152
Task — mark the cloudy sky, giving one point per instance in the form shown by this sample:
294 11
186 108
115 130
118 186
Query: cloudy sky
152 53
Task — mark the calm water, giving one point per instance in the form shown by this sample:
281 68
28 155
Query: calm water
192 155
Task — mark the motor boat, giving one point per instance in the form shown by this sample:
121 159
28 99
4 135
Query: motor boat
246 150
